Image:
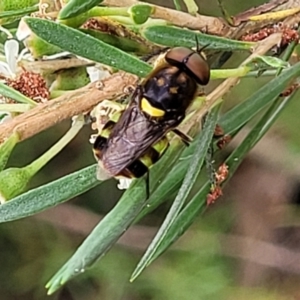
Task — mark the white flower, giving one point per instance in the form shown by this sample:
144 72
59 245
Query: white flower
23 30
11 51
124 183
8 68
97 73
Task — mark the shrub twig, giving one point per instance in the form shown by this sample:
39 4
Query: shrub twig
64 107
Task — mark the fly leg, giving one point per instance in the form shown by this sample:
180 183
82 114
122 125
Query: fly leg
185 138
147 181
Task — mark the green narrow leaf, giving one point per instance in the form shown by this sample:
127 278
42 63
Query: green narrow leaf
77 7
122 43
114 224
270 61
258 131
231 121
12 10
19 12
104 235
49 195
107 233
76 42
244 111
174 36
203 143
9 5
9 92
197 205
193 209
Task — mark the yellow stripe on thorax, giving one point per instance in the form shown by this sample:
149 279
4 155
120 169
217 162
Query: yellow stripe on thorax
150 110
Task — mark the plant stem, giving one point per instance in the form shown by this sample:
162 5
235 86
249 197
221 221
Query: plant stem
35 166
15 107
109 11
226 73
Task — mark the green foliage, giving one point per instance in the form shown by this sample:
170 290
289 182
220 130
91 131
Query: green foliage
11 10
193 171
53 193
77 7
177 175
71 40
18 13
173 36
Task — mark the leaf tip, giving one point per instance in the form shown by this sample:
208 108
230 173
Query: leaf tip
136 273
54 284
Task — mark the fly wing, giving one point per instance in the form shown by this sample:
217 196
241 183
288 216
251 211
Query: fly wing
102 174
133 134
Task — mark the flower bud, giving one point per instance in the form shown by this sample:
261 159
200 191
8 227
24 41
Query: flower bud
13 182
70 79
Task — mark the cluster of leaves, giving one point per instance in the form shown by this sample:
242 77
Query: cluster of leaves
177 171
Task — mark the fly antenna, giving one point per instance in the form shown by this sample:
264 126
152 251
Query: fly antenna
199 49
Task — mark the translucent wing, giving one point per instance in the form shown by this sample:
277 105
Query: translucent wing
132 135
102 174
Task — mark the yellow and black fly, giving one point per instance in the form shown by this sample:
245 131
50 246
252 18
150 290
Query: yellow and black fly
134 139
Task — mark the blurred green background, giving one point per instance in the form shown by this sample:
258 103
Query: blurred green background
245 246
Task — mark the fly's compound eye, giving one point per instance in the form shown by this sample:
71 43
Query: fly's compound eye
191 62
